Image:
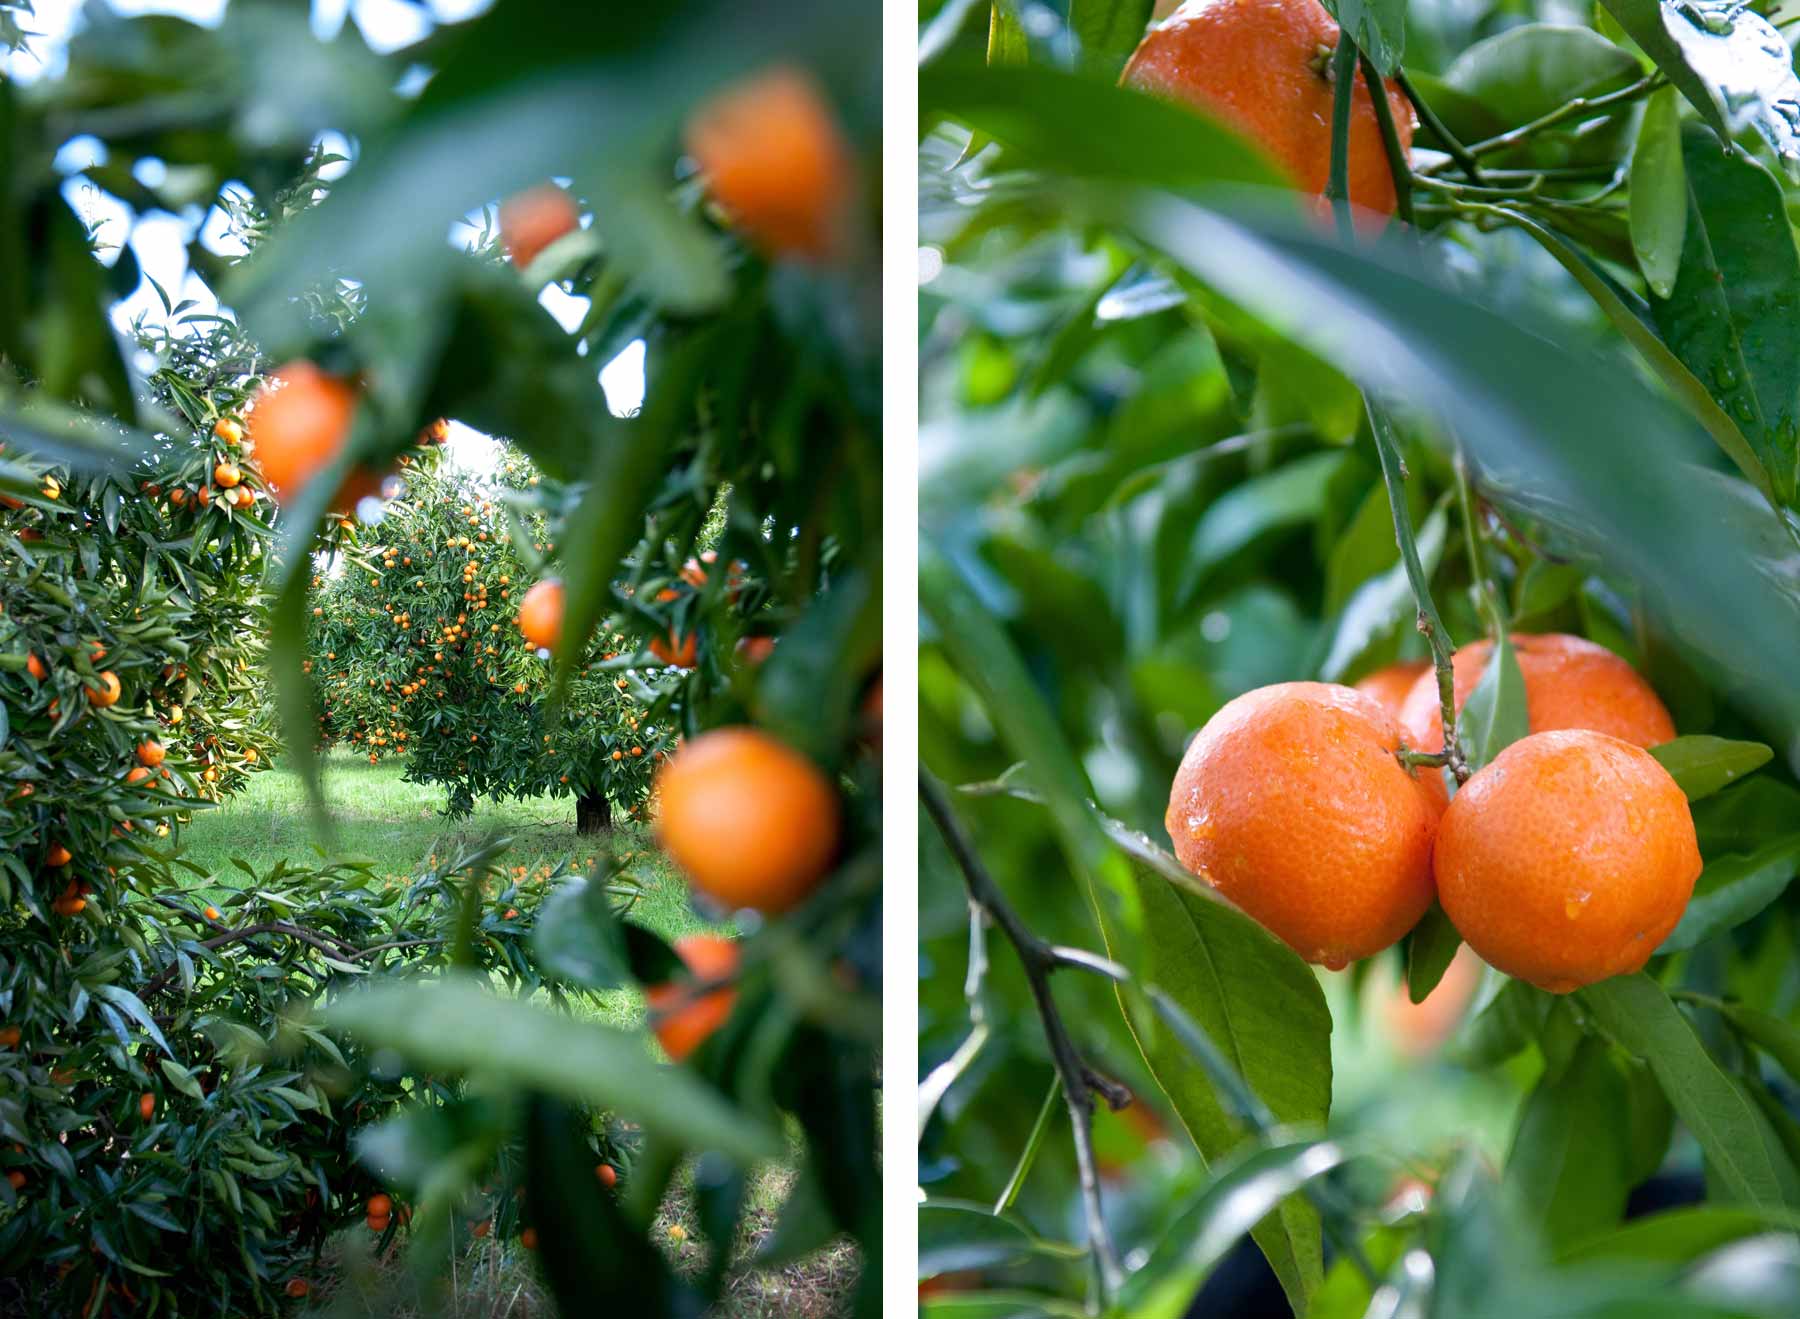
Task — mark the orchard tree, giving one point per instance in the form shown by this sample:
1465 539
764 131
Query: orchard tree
1352 620
415 650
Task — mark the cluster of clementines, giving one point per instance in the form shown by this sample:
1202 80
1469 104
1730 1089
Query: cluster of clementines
1566 860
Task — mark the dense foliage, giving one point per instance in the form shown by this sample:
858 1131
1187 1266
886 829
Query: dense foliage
1165 425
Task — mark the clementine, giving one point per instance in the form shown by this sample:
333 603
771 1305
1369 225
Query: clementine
1391 684
1292 803
1567 859
681 1017
541 613
532 220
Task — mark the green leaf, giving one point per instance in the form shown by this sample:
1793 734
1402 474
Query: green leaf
1430 948
1203 1232
181 1078
1678 1236
1291 495
133 1007
1060 122
457 1025
1771 1034
1006 45
986 658
1569 1158
1732 889
1494 716
1382 604
1730 316
1632 321
1000 1305
1702 765
1730 62
1740 1145
1659 197
1527 71
955 1235
1378 27
1109 30
1263 1009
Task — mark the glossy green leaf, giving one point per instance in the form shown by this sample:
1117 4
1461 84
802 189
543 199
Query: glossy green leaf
1569 1159
1644 23
1494 716
1109 30
1735 1136
1734 888
1430 948
1775 1037
1731 316
1527 71
456 1025
955 1235
1679 1236
1702 765
1377 26
1659 196
1383 604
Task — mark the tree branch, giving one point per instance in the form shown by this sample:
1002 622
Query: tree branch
1427 116
1080 1083
1398 165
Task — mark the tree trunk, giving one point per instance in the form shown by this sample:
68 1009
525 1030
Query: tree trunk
593 814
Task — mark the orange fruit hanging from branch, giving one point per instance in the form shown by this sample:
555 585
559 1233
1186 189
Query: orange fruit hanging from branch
1568 859
299 426
683 1017
1570 682
774 159
1292 803
1392 683
751 821
532 220
1264 68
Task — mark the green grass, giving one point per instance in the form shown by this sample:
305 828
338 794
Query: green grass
400 827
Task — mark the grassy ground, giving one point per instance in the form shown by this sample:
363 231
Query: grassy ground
399 826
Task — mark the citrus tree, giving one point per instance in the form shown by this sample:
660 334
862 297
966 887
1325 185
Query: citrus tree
1358 804
711 176
414 650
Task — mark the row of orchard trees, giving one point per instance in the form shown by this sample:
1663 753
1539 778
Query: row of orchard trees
416 649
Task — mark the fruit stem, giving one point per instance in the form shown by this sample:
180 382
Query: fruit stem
1437 637
1343 85
1398 165
1079 1081
1427 116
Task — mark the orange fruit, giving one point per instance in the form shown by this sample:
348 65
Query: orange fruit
58 855
1391 684
300 425
378 1222
608 1175
681 652
1263 67
35 667
541 613
683 1019
528 1238
1568 859
211 913
228 430
16 1179
107 693
532 220
754 650
1570 682
137 774
146 1105
1292 803
297 1287
227 475
1420 1028
150 752
775 160
752 821
9 1037
380 1206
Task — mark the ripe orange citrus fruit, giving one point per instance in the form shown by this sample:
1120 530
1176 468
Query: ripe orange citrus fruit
1570 682
775 161
532 220
683 1018
211 913
297 1287
300 424
1391 684
528 1238
107 693
150 752
58 855
541 613
380 1206
680 652
752 821
9 1037
146 1105
1263 67
1568 859
608 1175
1292 803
